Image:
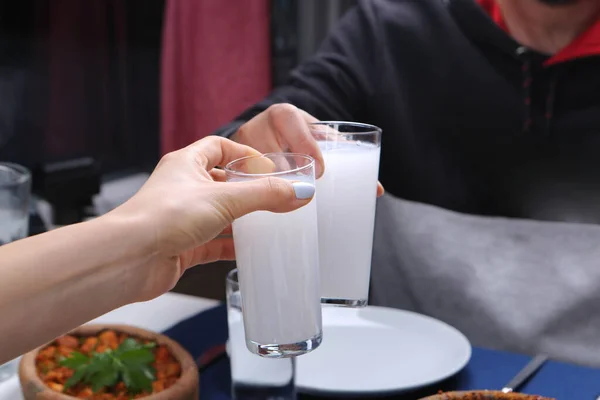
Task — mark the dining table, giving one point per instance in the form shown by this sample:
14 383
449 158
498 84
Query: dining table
200 324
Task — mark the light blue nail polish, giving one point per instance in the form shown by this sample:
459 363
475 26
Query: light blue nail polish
303 190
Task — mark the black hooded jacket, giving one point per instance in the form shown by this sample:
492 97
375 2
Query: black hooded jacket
472 121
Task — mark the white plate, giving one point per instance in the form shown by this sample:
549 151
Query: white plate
380 350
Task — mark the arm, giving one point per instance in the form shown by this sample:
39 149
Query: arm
61 279
337 82
54 282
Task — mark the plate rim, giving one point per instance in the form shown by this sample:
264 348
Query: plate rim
384 391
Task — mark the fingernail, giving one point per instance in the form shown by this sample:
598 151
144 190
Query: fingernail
319 170
303 190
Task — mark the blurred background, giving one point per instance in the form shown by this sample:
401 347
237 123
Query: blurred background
93 92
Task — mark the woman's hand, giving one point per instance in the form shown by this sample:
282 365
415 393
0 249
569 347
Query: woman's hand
137 251
185 210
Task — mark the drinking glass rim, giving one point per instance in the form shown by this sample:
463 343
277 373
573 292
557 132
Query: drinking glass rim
372 128
23 174
229 277
311 164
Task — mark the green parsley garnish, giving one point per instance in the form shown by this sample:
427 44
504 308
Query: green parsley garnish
130 363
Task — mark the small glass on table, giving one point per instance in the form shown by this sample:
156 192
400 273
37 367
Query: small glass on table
15 193
346 209
253 377
278 262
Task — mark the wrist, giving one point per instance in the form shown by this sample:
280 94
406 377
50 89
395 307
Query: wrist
132 242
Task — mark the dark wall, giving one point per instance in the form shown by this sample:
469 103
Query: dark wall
15 79
80 79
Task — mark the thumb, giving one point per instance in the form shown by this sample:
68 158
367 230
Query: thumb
268 194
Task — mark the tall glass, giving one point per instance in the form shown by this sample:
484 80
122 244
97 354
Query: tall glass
15 193
253 377
278 261
346 209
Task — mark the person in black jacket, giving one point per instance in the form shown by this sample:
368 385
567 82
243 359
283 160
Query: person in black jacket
490 111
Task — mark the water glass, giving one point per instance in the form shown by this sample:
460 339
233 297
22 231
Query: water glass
253 377
15 193
346 209
278 262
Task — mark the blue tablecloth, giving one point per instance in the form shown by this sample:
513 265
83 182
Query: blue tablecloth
488 369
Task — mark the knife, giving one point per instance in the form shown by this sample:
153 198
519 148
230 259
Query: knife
527 372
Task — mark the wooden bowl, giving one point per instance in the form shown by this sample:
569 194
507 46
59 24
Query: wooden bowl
186 387
484 395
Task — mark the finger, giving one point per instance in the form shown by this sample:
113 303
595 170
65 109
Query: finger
307 117
218 175
269 194
215 151
252 166
216 250
260 165
253 133
327 133
293 126
380 189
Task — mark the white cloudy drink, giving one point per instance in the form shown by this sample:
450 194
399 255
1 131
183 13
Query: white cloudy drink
277 258
346 216
278 265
